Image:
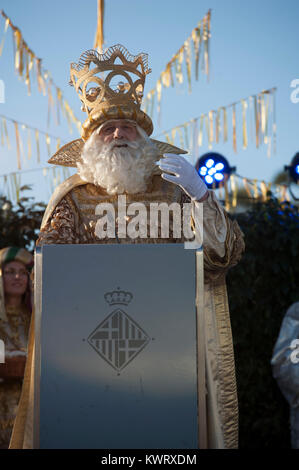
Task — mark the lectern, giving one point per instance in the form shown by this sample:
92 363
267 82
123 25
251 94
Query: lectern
119 356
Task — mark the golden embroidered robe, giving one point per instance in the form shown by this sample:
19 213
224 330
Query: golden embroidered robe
70 218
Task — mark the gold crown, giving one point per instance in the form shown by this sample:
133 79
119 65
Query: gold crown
107 97
118 297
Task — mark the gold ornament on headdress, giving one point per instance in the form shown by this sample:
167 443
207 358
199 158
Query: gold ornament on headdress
115 94
105 98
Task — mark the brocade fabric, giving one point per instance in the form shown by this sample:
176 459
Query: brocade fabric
70 218
14 333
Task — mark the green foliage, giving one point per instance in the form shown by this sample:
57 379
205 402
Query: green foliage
19 225
261 289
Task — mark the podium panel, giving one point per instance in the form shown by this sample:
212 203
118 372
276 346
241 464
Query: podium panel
118 347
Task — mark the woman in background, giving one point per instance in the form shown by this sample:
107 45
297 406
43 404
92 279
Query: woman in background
15 314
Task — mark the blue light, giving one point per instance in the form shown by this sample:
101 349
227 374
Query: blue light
209 163
209 179
218 176
297 169
215 169
219 166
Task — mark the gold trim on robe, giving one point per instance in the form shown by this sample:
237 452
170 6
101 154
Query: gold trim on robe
68 219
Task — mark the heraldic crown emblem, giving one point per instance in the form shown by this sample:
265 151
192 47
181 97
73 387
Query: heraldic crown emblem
118 297
118 339
103 95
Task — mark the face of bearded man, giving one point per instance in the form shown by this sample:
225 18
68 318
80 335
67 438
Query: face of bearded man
120 165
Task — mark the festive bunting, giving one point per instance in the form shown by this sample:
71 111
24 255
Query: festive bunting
173 72
5 133
53 176
25 151
262 106
29 144
25 61
4 34
228 192
256 190
18 144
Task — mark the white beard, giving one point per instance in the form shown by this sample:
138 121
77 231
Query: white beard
118 169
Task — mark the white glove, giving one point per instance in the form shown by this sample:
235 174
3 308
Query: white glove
185 175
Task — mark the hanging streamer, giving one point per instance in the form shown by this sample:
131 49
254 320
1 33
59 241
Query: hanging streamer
18 145
24 60
256 121
266 118
234 129
195 139
48 143
274 120
23 150
50 100
261 110
200 135
29 144
37 145
206 36
244 125
168 138
263 190
234 190
4 34
159 90
186 128
181 137
23 127
187 50
184 53
224 125
227 204
211 127
217 128
208 130
173 134
58 144
196 44
6 133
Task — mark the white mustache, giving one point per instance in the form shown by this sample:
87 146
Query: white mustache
118 166
121 143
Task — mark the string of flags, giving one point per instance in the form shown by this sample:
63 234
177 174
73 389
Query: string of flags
11 183
253 118
28 140
174 71
27 65
253 189
257 117
230 192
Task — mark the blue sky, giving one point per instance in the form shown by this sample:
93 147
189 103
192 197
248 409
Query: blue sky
254 46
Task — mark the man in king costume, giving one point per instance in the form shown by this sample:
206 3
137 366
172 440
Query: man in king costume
114 157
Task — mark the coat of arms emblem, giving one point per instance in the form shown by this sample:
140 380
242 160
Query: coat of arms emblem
118 339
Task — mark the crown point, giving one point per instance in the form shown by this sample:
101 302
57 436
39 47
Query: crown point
118 297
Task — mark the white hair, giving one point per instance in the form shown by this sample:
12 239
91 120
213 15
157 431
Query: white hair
118 169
